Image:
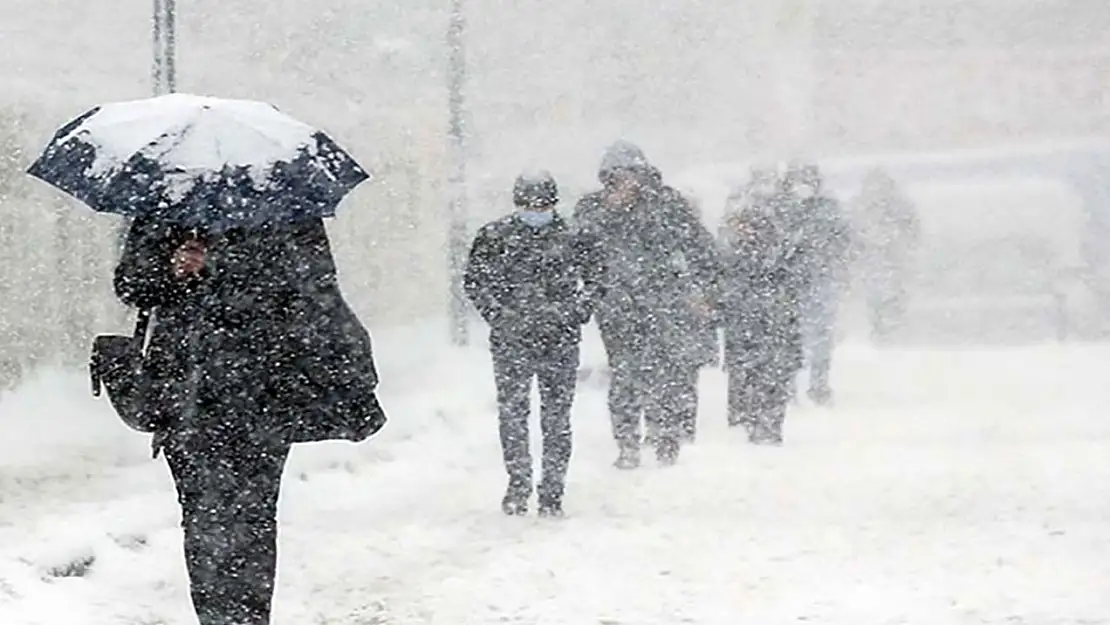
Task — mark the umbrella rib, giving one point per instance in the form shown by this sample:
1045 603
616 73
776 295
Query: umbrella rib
176 139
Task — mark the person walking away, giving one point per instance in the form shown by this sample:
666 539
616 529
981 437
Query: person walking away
651 315
889 230
760 310
536 282
825 237
248 322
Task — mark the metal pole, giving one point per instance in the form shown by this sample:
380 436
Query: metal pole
171 45
161 33
456 232
157 75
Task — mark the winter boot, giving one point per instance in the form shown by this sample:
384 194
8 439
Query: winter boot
689 429
768 430
629 457
550 498
821 395
756 434
761 430
515 501
551 509
666 452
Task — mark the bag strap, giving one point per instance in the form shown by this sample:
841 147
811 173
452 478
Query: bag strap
142 322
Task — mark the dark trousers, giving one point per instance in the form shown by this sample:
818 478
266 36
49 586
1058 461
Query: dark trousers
555 369
886 300
228 488
819 336
757 395
650 386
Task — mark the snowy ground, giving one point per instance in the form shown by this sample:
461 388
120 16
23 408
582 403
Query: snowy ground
946 487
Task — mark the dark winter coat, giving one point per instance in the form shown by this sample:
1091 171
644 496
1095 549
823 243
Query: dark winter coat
534 286
825 238
661 261
264 333
760 298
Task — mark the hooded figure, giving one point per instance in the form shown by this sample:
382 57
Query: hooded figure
661 277
817 224
253 349
760 312
889 229
535 282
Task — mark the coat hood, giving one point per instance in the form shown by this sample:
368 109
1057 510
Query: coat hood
622 155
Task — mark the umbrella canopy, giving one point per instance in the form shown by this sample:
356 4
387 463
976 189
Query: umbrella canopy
199 161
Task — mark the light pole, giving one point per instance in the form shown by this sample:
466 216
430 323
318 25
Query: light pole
164 26
457 210
163 71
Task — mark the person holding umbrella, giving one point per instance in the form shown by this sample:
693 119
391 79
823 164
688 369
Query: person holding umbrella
253 347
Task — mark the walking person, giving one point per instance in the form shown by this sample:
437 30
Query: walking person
660 285
824 235
760 312
536 282
889 229
243 343
252 341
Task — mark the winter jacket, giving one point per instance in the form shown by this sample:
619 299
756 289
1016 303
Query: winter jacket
261 344
827 236
534 286
760 298
660 260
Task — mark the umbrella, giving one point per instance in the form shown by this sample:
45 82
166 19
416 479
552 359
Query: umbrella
198 161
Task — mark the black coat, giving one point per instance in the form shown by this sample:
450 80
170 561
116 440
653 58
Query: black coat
262 344
534 286
760 298
826 238
660 260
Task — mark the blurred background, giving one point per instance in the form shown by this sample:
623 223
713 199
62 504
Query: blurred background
989 113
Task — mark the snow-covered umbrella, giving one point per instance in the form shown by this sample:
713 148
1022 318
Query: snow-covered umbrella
198 161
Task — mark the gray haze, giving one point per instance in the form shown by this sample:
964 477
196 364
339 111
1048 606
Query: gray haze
697 82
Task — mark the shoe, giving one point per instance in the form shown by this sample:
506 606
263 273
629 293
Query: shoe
820 396
628 459
765 436
551 510
757 433
666 452
515 501
514 507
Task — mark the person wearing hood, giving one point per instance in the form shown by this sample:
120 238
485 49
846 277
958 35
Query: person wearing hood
252 349
761 189
760 315
654 246
818 225
536 282
889 230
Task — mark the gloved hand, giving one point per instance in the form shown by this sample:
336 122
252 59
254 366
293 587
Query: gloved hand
567 315
582 314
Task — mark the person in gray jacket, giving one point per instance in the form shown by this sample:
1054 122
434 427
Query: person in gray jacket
651 320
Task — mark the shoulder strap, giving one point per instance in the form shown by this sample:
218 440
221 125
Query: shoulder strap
142 322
